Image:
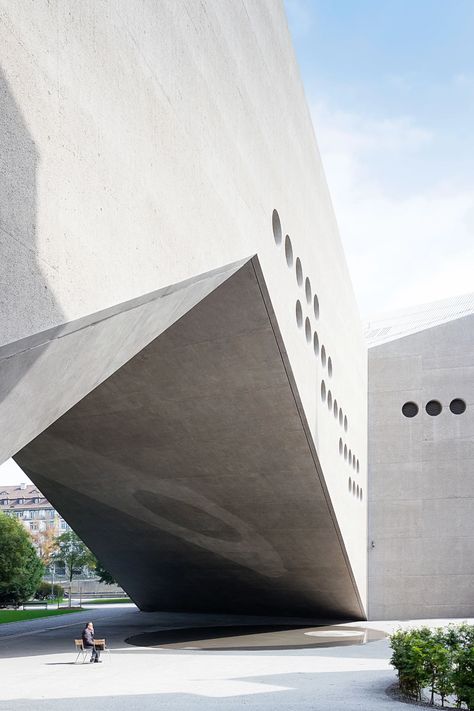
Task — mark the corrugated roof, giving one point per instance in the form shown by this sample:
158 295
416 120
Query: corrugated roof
397 324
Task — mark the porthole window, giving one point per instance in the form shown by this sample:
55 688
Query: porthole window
353 487
323 356
361 494
350 456
340 415
316 306
288 251
299 314
307 290
329 400
345 451
299 272
323 390
350 485
345 423
340 445
335 409
276 224
357 465
410 409
330 367
316 344
457 406
433 408
353 461
307 329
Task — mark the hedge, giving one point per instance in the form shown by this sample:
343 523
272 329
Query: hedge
440 660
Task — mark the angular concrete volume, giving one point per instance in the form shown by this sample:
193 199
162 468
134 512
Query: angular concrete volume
183 370
191 473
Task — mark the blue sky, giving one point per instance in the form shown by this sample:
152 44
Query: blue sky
390 84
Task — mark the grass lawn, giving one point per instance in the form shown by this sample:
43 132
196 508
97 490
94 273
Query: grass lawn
17 615
106 601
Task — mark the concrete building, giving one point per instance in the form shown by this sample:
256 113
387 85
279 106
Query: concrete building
183 371
182 365
421 462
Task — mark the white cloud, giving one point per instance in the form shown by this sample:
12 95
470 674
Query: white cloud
403 246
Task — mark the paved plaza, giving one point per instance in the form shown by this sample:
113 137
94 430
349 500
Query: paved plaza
192 670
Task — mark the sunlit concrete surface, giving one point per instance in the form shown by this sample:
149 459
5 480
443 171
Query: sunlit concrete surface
41 675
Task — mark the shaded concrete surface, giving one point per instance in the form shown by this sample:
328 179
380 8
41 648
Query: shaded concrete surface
191 474
40 673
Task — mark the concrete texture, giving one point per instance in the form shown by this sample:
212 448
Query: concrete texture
193 475
40 673
421 537
148 151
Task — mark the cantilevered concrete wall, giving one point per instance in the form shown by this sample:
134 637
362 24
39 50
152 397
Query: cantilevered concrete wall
421 483
151 150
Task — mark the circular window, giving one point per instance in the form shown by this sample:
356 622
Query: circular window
353 487
323 356
340 416
288 251
299 314
316 344
276 224
350 485
307 329
350 456
307 290
410 409
353 461
329 400
299 272
457 406
316 307
330 367
357 465
361 494
335 409
340 445
345 423
323 390
433 408
345 451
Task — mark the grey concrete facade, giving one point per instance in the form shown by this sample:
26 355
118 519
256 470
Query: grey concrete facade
421 484
149 151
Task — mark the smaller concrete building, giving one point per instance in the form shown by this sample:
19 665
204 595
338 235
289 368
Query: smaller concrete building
421 462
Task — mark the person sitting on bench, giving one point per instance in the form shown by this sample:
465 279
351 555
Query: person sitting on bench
88 641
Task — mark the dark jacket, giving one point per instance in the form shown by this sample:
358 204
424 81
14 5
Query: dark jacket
87 637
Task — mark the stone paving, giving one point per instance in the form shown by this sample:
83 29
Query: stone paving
38 672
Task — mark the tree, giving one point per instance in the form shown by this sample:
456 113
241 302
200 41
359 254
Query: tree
104 575
20 568
45 544
72 553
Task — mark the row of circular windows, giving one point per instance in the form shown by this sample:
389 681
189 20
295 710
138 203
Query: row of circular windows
434 407
349 456
355 489
327 397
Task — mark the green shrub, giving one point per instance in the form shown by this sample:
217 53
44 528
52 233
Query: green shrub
441 660
46 591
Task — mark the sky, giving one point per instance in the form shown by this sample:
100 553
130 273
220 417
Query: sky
390 87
